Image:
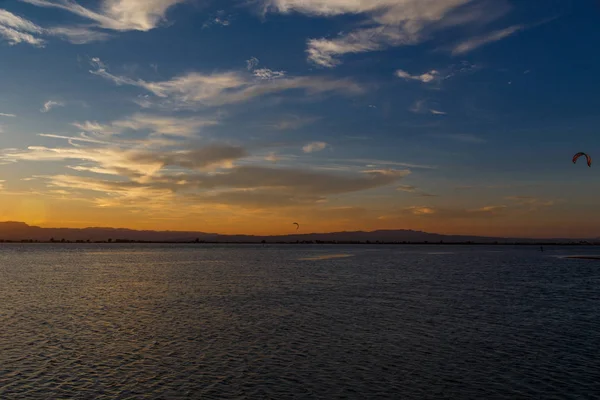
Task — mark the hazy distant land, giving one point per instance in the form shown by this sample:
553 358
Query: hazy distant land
21 232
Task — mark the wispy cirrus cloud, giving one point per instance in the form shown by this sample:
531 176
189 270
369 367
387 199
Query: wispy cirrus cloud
156 125
78 34
15 29
479 41
314 147
454 213
424 78
7 115
215 89
118 15
50 104
326 52
437 112
407 188
133 163
387 23
437 76
143 178
289 181
414 190
372 162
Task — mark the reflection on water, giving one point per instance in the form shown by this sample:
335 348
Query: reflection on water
253 322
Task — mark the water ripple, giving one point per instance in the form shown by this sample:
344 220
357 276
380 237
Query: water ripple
253 322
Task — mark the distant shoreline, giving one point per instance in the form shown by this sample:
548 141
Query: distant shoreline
363 243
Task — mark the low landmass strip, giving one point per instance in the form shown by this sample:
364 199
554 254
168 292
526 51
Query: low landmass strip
21 232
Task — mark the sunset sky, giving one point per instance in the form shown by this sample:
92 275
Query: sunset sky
244 116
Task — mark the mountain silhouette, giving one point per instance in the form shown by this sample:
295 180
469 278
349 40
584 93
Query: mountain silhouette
20 231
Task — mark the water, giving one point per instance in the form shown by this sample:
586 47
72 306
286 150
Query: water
306 322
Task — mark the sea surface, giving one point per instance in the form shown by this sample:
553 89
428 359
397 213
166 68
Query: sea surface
123 321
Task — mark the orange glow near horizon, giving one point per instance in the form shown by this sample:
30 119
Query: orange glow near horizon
53 213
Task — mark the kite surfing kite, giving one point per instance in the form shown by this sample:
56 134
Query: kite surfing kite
588 158
297 225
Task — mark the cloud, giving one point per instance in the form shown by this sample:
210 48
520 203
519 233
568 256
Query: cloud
371 162
314 147
220 18
252 63
272 157
476 42
139 131
205 157
418 106
112 160
141 174
436 76
119 15
325 52
454 213
78 34
215 89
489 209
259 199
293 122
421 107
7 115
386 23
407 188
414 189
50 104
290 181
156 125
424 78
15 29
97 63
419 210
531 203
221 21
247 187
522 205
267 74
134 163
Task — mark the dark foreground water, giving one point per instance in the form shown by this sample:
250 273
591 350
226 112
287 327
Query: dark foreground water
279 322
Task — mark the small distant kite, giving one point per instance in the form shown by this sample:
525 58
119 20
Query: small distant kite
297 225
588 158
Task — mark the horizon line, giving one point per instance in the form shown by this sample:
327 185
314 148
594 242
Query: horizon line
474 236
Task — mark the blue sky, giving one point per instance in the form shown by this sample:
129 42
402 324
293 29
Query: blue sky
455 116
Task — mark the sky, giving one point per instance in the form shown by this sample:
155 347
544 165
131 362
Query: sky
245 116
